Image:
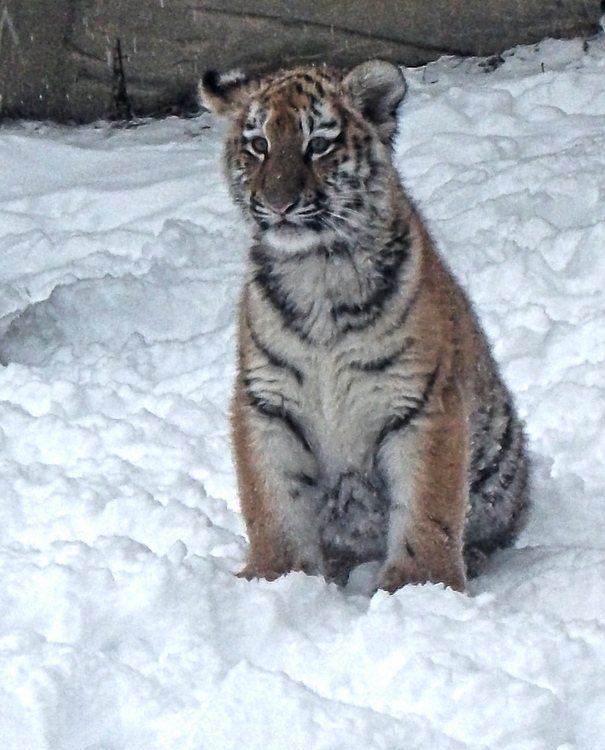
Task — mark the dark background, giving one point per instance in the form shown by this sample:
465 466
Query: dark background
79 60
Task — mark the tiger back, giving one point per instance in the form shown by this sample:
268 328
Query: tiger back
369 419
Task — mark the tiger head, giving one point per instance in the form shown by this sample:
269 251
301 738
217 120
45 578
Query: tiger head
308 155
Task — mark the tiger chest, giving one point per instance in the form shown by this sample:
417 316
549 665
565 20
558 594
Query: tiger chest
339 409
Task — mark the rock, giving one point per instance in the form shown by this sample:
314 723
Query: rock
60 58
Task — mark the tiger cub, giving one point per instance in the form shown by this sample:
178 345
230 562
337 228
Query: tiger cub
369 420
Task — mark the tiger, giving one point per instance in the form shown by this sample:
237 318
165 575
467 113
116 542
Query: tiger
369 420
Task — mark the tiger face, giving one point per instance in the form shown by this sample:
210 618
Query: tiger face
308 155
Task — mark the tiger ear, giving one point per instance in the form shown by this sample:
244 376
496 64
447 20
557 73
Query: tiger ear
377 88
224 93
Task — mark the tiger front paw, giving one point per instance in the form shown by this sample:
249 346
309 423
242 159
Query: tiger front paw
396 575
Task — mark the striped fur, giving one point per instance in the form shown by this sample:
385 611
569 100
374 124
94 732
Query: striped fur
369 418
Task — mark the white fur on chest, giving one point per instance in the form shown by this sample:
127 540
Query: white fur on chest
340 407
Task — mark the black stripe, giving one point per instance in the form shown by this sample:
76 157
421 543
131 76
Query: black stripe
505 443
275 359
330 124
517 473
383 363
507 478
271 283
399 422
304 479
315 109
359 315
347 316
302 483
281 413
402 319
220 85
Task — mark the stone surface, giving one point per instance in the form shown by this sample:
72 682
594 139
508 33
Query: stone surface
32 77
59 58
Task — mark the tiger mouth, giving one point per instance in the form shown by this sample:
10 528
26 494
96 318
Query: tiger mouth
297 215
291 223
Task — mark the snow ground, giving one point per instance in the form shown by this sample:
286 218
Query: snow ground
121 623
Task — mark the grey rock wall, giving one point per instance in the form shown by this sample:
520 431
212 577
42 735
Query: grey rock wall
59 58
32 52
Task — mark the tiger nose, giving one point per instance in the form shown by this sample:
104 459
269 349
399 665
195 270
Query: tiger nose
281 207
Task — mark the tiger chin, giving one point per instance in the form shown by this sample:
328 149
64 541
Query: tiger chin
369 419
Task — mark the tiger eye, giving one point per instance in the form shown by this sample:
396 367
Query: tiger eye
259 145
319 145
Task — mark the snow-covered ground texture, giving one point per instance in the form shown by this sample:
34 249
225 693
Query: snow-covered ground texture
122 625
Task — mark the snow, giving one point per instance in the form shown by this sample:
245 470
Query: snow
122 625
